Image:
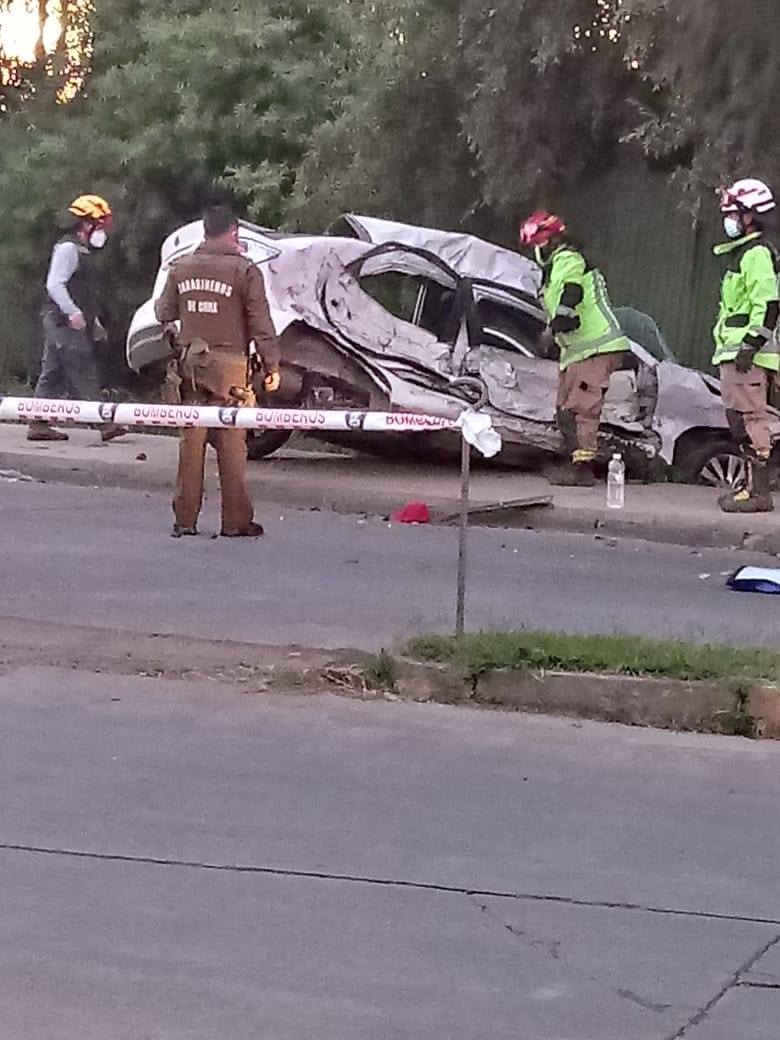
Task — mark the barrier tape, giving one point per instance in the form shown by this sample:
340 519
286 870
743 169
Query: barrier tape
92 413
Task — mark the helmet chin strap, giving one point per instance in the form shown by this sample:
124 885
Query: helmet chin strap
542 254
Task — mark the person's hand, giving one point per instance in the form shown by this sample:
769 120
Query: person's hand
744 359
272 382
77 321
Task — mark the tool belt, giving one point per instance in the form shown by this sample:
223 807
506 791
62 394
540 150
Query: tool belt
183 366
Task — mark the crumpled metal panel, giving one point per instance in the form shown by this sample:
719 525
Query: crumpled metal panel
469 256
312 285
684 403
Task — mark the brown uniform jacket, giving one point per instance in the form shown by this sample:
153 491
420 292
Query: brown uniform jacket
219 296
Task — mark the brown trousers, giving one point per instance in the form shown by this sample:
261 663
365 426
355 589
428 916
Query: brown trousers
581 392
747 394
213 376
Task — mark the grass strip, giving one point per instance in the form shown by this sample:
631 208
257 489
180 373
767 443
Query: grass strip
482 652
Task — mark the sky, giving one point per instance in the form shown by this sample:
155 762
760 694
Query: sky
20 30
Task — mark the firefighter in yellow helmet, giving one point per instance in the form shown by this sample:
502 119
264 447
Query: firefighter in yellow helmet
71 315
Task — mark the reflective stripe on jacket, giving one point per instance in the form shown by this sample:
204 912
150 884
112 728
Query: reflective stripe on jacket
748 303
597 329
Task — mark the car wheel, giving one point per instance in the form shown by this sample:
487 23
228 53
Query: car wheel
717 464
262 443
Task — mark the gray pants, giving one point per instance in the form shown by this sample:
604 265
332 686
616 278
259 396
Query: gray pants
68 365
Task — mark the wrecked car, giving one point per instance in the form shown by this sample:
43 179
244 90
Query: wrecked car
388 316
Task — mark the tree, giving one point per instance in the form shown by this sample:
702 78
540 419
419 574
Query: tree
548 99
184 97
715 79
54 67
397 146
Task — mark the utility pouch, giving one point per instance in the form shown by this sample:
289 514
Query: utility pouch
193 357
171 389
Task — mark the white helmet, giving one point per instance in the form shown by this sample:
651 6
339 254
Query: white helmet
749 194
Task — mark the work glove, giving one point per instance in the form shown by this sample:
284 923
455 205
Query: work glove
744 359
99 333
564 323
272 382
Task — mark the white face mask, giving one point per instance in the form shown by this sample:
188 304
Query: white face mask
732 226
98 238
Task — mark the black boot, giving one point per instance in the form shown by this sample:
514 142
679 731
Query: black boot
41 431
756 497
574 474
252 531
183 532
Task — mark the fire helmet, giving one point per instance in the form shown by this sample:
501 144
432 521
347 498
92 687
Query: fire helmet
747 195
540 227
90 207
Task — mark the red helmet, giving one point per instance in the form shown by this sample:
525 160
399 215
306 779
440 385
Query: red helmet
540 228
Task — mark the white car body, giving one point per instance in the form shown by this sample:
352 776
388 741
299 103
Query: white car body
319 284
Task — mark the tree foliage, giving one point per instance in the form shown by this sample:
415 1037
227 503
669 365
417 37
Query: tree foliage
445 112
397 145
185 97
712 68
53 68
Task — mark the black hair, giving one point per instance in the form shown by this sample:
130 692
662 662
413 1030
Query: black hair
767 222
218 220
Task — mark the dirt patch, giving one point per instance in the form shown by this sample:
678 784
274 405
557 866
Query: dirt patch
121 652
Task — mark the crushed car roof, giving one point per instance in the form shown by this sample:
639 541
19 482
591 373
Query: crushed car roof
468 256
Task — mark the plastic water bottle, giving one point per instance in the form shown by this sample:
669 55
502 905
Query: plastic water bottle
616 483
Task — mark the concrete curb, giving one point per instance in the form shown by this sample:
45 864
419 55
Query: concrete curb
702 707
259 669
314 493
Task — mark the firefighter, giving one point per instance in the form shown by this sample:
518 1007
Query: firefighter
591 343
219 297
71 315
746 342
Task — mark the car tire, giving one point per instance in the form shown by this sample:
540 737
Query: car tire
716 463
262 443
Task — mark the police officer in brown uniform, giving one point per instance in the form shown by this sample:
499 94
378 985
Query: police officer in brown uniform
219 297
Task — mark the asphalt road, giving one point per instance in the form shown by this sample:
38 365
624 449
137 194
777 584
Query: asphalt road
182 861
104 557
188 859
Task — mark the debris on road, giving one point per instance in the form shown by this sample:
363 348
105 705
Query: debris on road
412 513
756 579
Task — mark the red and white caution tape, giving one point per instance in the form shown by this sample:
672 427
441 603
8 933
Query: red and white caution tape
92 413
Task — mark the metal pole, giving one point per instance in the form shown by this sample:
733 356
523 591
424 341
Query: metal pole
477 387
465 482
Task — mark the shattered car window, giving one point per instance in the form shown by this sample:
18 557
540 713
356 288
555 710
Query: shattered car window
397 293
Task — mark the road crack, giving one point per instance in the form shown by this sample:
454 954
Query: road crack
734 981
384 882
553 948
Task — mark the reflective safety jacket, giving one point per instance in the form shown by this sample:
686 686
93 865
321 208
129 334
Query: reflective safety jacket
577 304
749 307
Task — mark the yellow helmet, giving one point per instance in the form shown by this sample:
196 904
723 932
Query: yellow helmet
90 207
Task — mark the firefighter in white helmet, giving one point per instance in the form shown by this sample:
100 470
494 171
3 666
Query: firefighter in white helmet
746 334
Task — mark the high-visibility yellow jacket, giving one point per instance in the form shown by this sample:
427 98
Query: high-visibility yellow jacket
749 302
577 304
